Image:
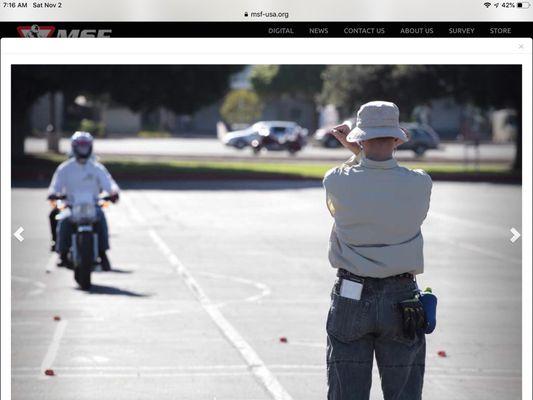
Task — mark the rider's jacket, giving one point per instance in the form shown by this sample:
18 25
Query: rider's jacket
73 179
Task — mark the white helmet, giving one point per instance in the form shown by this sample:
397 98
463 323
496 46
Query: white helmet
82 145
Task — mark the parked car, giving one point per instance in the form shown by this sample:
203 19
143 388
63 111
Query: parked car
421 138
240 139
325 139
281 131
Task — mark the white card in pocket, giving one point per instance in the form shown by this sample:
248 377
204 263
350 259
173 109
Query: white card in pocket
351 290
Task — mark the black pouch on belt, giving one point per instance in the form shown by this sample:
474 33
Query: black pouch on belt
413 316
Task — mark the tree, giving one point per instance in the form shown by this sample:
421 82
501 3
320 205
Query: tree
350 86
180 88
486 86
241 106
302 82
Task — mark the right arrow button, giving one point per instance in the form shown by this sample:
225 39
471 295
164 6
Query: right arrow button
516 235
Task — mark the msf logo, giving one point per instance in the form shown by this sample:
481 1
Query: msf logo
84 33
36 31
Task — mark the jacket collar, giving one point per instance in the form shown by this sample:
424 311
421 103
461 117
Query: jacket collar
387 164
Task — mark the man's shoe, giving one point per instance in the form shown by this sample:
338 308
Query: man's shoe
64 261
104 262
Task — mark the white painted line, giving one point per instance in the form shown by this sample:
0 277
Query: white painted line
179 368
40 286
264 289
477 226
427 377
472 224
22 279
134 212
51 354
256 365
431 371
433 378
481 250
137 375
448 371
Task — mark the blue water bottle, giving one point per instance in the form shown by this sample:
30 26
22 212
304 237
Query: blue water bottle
429 302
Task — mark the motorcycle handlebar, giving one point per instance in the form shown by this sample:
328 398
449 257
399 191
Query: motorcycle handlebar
57 197
112 198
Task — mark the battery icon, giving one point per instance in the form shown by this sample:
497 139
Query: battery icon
523 5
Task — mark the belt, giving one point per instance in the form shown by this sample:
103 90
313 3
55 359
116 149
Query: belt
342 273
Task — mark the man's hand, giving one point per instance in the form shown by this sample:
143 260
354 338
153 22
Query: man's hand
340 132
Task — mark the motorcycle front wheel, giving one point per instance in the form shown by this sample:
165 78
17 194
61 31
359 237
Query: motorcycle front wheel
82 272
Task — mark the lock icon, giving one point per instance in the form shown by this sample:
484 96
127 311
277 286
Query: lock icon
246 13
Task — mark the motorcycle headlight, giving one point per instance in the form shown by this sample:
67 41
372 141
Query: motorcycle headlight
84 212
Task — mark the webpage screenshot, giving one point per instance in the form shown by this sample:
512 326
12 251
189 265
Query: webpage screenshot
241 200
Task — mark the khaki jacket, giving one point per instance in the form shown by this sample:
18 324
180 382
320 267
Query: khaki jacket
378 208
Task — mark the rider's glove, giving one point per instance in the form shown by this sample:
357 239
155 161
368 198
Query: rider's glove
113 198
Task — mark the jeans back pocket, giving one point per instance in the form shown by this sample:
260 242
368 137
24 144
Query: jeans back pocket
398 333
347 318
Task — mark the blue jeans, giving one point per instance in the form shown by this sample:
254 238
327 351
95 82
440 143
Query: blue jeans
359 329
65 229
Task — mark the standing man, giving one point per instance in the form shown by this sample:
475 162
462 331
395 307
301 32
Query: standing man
377 248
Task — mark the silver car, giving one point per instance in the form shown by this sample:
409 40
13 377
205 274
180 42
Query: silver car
244 138
421 138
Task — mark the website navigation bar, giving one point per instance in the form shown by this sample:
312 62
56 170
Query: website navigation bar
265 29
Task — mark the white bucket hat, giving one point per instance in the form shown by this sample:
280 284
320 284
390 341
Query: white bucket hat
377 119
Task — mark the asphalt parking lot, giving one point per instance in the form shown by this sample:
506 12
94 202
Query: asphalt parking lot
210 277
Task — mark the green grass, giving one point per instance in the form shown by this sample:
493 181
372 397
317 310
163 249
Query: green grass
166 168
300 169
153 134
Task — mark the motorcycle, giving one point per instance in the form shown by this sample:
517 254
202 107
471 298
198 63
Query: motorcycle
84 251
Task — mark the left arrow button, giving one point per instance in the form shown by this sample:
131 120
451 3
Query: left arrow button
18 234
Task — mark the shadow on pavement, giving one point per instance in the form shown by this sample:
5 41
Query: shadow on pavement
244 184
116 271
32 171
110 290
36 172
236 185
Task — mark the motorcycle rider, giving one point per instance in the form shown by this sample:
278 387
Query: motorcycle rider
33 32
81 174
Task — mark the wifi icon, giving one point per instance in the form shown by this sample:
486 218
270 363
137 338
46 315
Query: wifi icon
487 4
